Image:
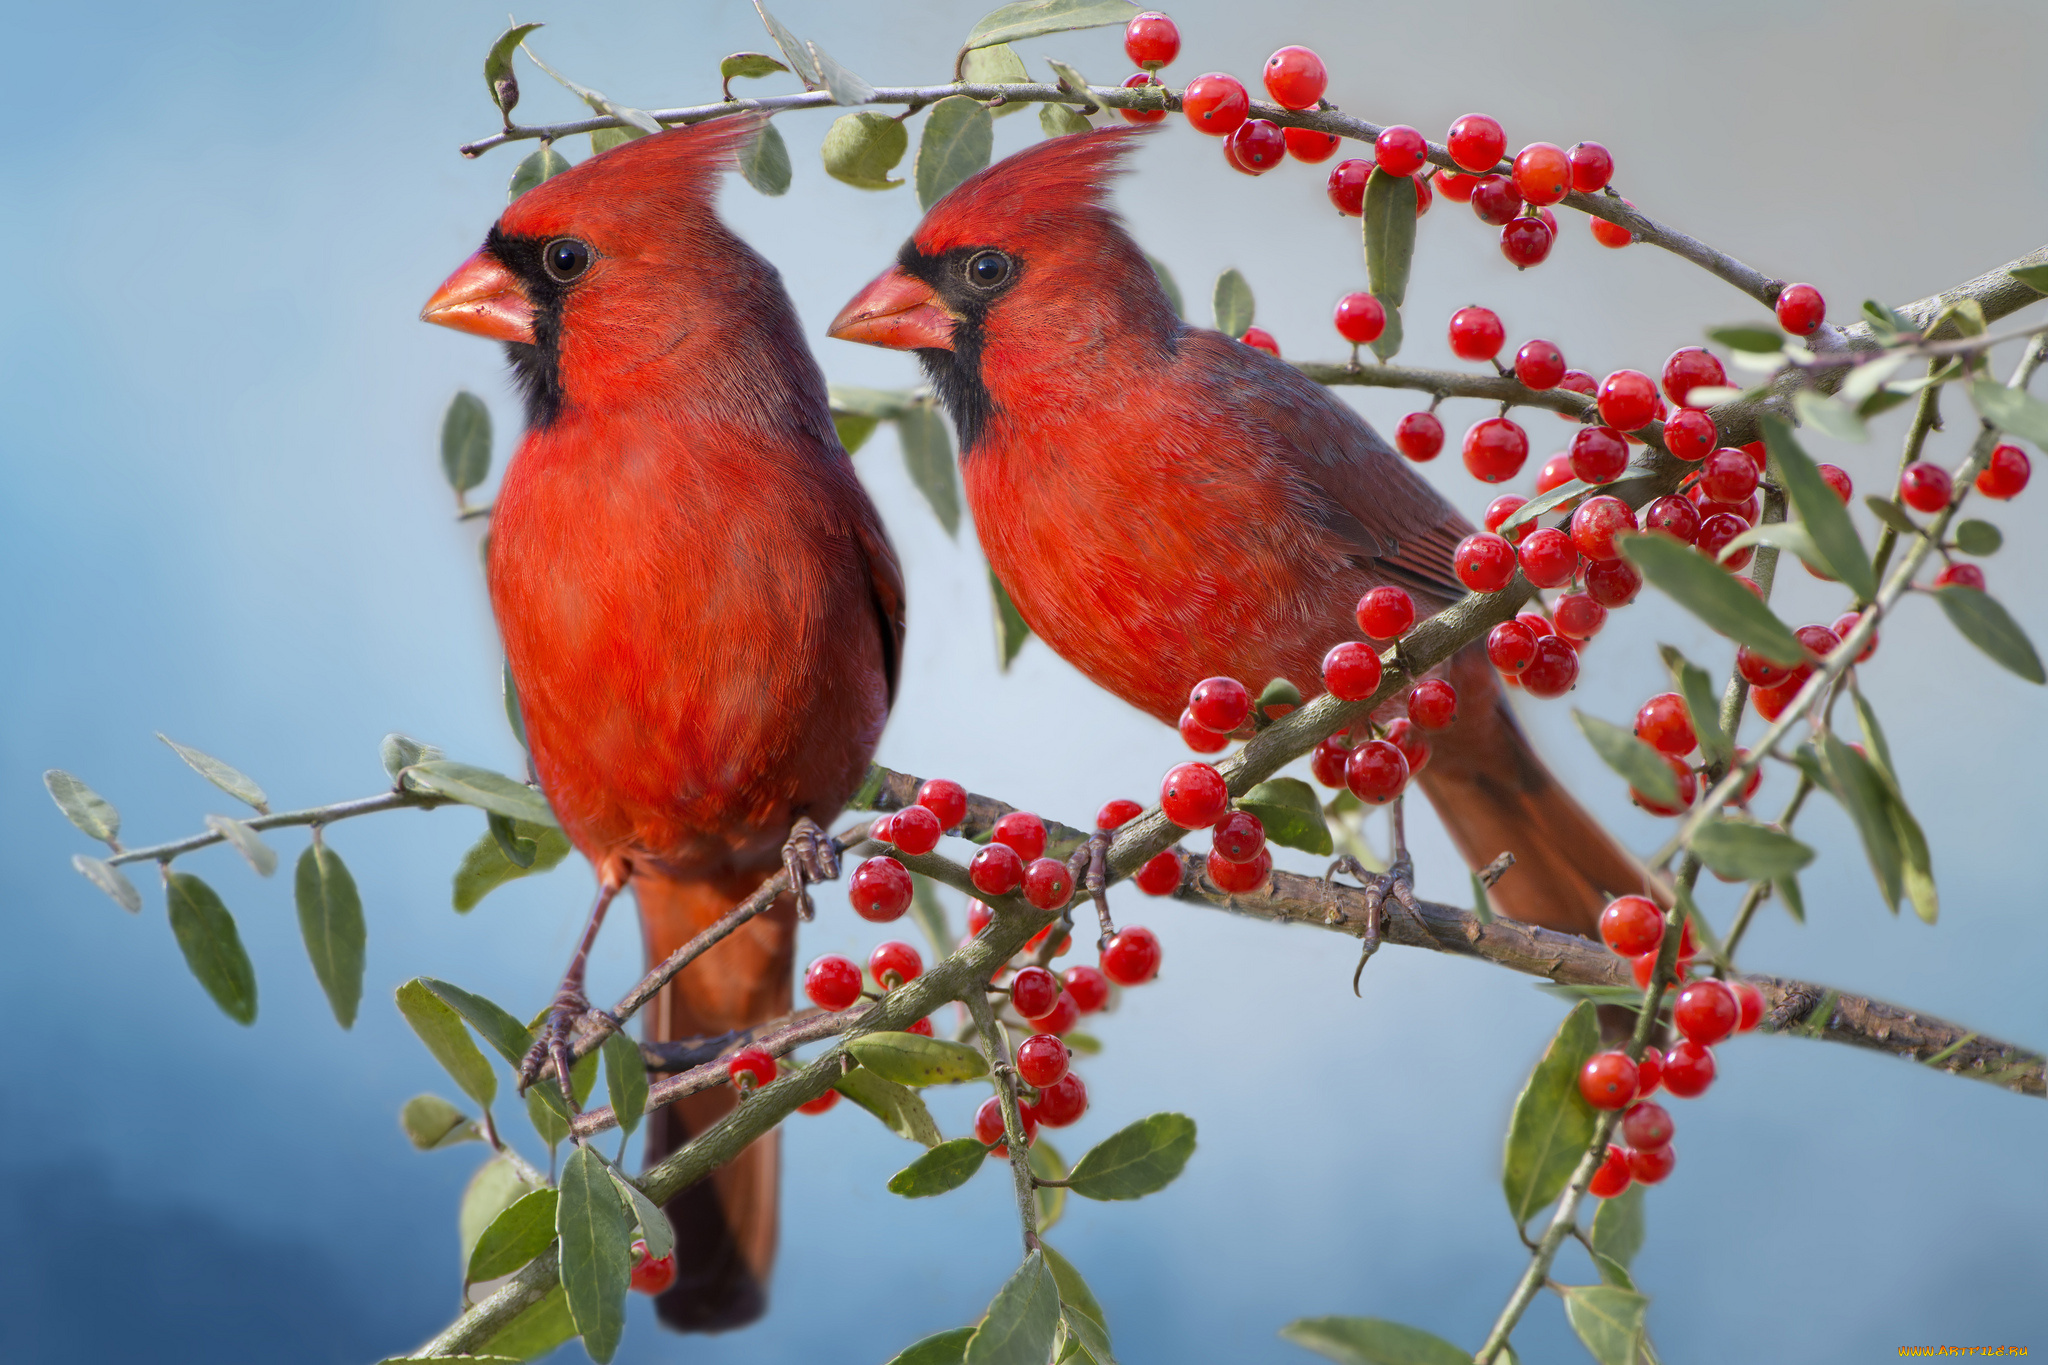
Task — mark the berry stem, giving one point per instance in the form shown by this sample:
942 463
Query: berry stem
1758 890
995 1044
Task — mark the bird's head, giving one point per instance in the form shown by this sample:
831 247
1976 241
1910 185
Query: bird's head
1022 268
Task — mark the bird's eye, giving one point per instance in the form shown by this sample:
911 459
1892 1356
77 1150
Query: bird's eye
565 258
989 269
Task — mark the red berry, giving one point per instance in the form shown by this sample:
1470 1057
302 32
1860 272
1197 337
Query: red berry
1728 475
1022 831
1925 486
652 1275
1613 582
1801 309
1062 1102
1579 382
1665 725
750 1068
1770 702
1476 143
1484 563
1419 436
1837 478
1556 472
832 982
1038 939
1649 1072
1433 704
1326 760
1640 968
1612 234
1160 876
1308 145
914 829
1236 878
1063 1015
880 889
1612 1178
2003 476
1424 195
1361 318
1847 622
1385 613
1376 772
1476 334
1239 836
1706 1012
1577 616
1647 1125
1503 507
1220 704
1132 957
1087 987
990 1131
1400 150
823 1102
1714 534
947 800
1351 671
1048 884
1259 339
899 959
1117 813
1140 115
1689 368
1627 400
1200 737
1406 736
1674 516
1750 1002
1599 455
1688 788
1548 557
1543 174
1688 1069
1651 1165
1193 795
1033 991
1632 925
1742 798
1455 187
1539 364
1608 1080
996 870
1689 434
1960 576
1526 242
1041 1060
1295 78
1346 187
1495 450
1510 646
1592 167
1554 669
1495 200
1257 146
1151 39
978 917
1216 104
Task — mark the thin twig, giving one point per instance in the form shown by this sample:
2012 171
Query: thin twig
316 815
995 1043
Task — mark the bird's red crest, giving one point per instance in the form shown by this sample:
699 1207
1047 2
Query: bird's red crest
684 163
1046 186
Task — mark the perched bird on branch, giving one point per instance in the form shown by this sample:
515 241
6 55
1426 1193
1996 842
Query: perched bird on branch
701 611
1166 504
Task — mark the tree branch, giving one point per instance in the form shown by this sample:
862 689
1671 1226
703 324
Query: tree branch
315 815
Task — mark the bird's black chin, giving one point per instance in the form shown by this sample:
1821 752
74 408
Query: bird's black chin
956 377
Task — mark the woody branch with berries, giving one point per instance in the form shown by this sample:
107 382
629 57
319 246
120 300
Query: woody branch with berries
1404 632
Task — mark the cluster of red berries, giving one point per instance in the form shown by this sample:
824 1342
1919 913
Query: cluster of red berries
1219 105
1773 685
1705 1013
1518 201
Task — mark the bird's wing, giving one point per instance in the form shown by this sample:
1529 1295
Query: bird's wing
885 586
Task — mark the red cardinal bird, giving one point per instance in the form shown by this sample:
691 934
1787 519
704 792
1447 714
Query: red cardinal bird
701 612
1166 504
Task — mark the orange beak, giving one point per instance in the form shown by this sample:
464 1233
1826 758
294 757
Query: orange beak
898 311
484 299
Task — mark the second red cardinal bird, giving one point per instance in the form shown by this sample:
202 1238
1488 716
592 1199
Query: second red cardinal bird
701 612
1166 504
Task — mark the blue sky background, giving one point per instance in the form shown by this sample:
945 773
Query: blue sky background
224 519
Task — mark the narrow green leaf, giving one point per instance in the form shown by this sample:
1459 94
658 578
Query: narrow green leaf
843 85
1545 502
1881 402
514 716
466 442
853 429
1642 767
1047 1164
514 1237
399 752
942 1348
1482 904
1389 227
1011 632
213 949
331 923
2034 277
1612 1271
1893 515
1056 120
2012 410
928 456
887 404
546 1112
537 1330
1022 1319
82 806
495 1187
1867 378
597 1259
109 879
1743 337
1883 320
1086 1341
1979 538
1291 813
543 165
1608 1320
861 149
1373 1341
498 76
1829 415
1701 705
647 1216
900 1109
439 1026
517 848
764 161
1618 1226
1966 313
245 841
604 139
1035 18
1133 1162
1074 1291
1387 344
1167 285
997 64
801 60
1787 890
910 1059
431 1122
507 1036
229 780
752 65
1748 852
1711 593
1987 625
1820 511
1861 791
1232 304
482 788
1916 862
959 135
945 1167
1552 1122
1782 535
636 118
486 867
625 1080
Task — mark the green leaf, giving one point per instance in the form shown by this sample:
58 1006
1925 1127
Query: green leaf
495 1187
1978 538
1482 904
1075 1295
331 922
2013 410
945 1167
1787 889
1232 303
1011 632
597 1259
752 65
1618 1226
1608 1320
1056 120
1086 1341
1022 1319
1987 625
245 841
1893 515
1711 593
1747 852
1293 817
1861 791
910 1059
213 949
516 847
636 118
1135 1161
995 65
764 161
1389 225
1820 511
466 441
1781 535
1966 313
1883 320
83 806
514 716
546 1109
1167 285
802 60
1869 377
1642 767
399 752
498 77
887 404
1035 18
485 867
2034 277
1373 1341
1701 705
109 879
1613 1272
229 780
430 1122
1552 1122
604 139
1742 337
1046 1164
536 1330
943 1348
1387 344
439 1026
482 788
959 135
843 85
1916 864
1544 502
853 429
514 1237
648 1216
861 149
928 456
625 1080
1829 415
543 165
901 1110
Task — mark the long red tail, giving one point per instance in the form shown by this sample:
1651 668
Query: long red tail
725 1225
1495 796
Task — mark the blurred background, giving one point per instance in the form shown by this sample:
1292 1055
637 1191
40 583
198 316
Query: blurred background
225 520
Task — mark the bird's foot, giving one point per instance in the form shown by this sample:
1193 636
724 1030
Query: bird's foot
809 855
1089 867
1397 881
556 1041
